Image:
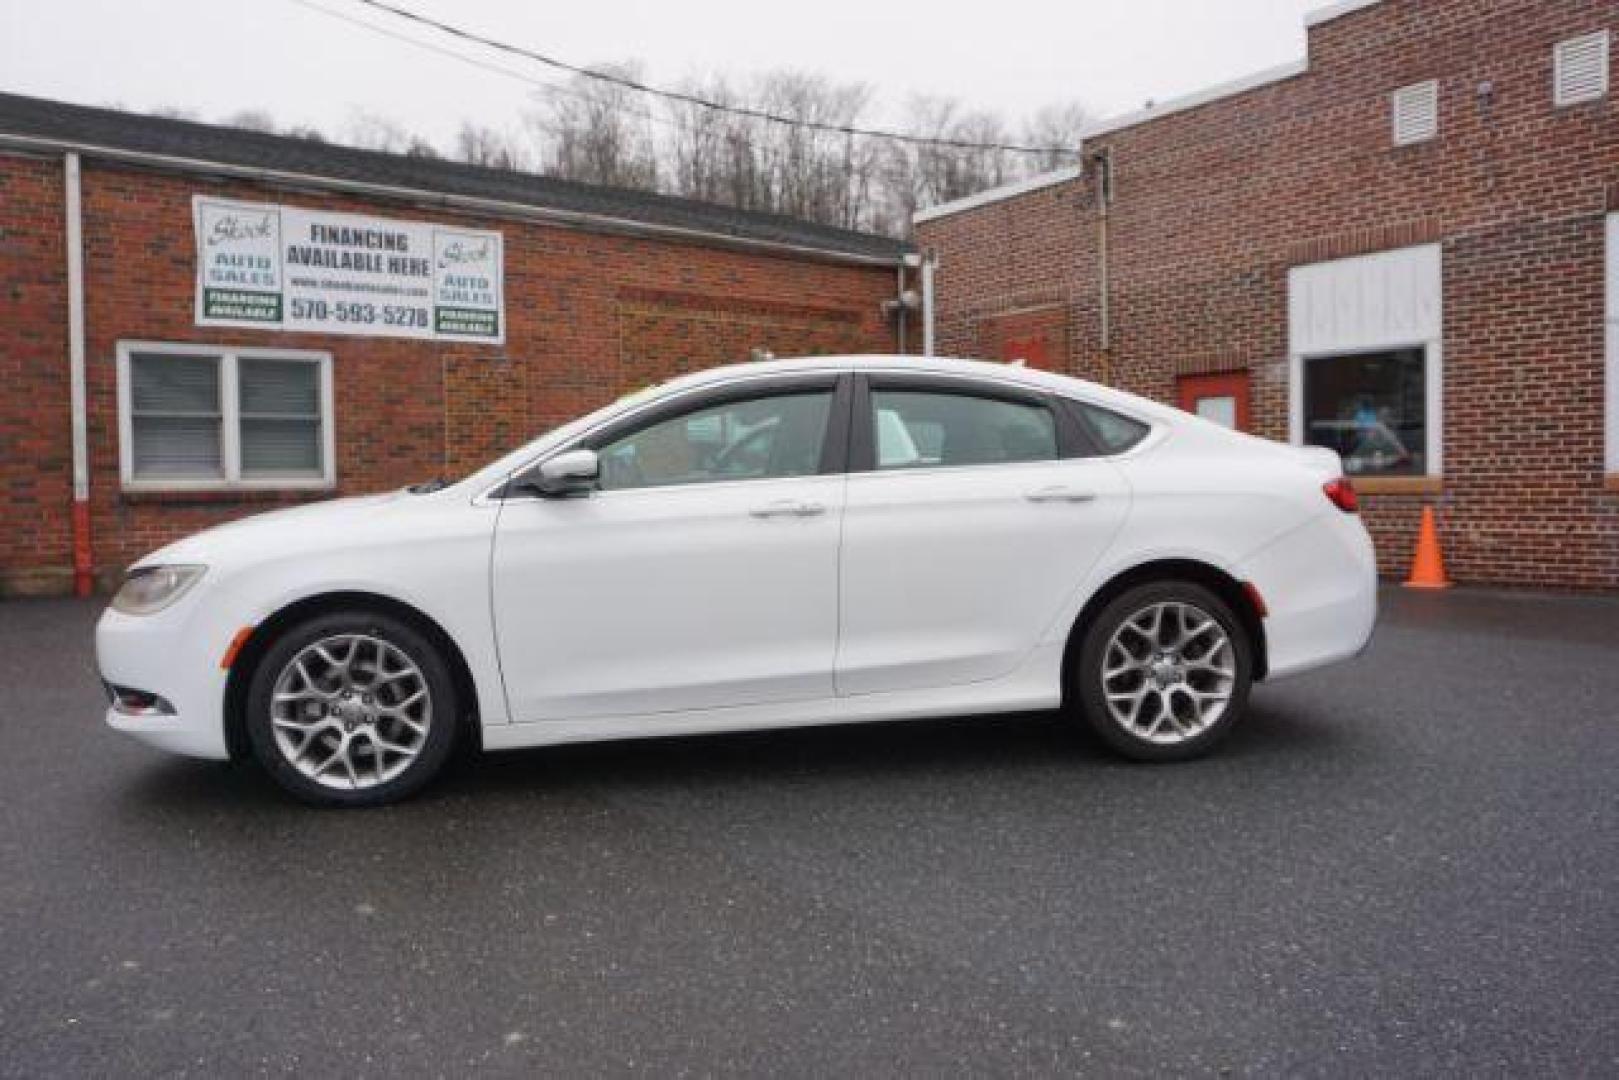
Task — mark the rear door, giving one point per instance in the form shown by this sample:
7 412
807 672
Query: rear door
973 511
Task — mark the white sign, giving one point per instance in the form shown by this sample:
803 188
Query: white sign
289 268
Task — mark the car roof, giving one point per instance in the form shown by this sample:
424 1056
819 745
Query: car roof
1007 373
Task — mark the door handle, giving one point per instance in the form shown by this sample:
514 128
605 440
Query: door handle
1060 493
788 508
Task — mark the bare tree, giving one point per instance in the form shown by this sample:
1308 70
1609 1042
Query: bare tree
173 112
1061 127
374 131
598 132
477 144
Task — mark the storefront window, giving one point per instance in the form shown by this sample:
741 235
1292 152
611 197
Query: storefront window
1371 408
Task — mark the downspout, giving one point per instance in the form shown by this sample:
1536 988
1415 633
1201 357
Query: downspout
82 562
899 308
929 262
1104 313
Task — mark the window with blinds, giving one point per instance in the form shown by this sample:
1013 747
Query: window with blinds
176 419
280 415
193 417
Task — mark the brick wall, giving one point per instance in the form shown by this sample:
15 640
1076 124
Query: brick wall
590 316
36 457
1213 205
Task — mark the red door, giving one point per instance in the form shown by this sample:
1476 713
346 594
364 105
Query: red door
1221 398
1033 349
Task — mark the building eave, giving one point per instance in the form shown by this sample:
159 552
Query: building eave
424 197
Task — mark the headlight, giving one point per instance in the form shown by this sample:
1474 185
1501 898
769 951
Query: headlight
150 589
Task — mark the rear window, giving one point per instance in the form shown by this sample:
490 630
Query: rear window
1112 432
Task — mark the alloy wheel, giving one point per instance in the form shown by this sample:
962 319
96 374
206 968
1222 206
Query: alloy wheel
351 711
1168 672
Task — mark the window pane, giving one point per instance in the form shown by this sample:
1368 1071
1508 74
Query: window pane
279 387
918 429
1371 408
175 448
1114 434
280 447
174 384
740 440
1221 409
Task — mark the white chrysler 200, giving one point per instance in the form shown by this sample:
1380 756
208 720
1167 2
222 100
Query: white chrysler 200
770 545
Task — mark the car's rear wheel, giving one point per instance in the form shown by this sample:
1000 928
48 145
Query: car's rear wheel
1164 671
352 708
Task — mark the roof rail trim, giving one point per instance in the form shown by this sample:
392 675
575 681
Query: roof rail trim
1333 11
1219 92
996 194
470 203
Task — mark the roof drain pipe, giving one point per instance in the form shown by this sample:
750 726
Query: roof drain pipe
1103 160
83 576
929 262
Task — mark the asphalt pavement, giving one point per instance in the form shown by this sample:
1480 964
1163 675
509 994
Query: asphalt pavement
1407 865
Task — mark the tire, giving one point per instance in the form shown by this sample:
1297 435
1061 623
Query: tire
366 694
1123 686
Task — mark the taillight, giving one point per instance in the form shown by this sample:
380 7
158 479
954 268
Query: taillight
1342 494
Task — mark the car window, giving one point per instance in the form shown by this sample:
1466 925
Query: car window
776 436
1112 432
921 429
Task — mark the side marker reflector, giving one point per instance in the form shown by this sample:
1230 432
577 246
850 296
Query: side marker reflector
1252 592
235 647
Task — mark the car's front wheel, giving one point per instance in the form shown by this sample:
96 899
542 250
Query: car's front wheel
1164 671
352 708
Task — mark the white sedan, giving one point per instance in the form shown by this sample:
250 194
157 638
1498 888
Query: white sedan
769 545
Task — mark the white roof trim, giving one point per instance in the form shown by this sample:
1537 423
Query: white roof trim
1333 11
1201 97
996 194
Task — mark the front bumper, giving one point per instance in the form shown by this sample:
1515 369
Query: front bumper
174 654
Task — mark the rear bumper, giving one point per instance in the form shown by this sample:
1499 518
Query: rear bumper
1320 585
168 654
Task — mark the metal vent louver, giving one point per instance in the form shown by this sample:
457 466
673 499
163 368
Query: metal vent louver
1416 113
1580 69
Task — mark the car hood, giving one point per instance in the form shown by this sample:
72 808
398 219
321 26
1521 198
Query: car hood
295 527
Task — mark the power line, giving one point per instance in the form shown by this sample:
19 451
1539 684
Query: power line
695 99
497 69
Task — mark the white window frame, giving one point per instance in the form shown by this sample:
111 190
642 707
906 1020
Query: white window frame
1375 340
1432 402
1429 93
1603 39
230 431
1613 346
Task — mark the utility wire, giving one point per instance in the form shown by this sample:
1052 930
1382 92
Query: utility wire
497 69
695 99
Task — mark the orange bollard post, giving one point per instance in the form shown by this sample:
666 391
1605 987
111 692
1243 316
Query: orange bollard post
1427 565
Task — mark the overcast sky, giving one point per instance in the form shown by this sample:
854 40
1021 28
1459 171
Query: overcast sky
215 57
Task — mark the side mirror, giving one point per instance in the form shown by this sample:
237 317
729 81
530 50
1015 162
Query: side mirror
573 473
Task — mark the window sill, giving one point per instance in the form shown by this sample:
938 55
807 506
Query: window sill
1398 485
212 495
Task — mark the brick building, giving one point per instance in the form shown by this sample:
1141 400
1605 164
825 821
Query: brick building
260 320
1405 247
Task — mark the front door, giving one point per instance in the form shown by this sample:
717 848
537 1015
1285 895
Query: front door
971 519
1220 398
703 573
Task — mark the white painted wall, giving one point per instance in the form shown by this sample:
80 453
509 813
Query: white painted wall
1388 300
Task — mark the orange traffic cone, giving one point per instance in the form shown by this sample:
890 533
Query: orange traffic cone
1427 565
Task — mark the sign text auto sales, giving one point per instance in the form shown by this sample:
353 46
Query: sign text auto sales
296 269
